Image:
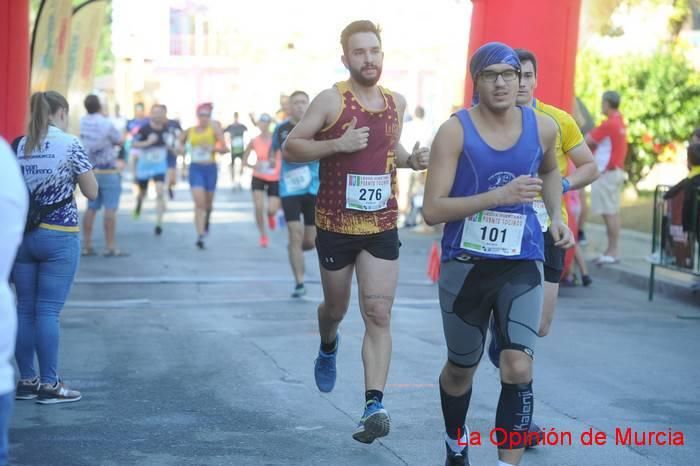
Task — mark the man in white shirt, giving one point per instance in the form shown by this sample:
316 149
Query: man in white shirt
99 137
13 214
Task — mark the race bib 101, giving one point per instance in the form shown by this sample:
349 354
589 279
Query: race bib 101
367 192
491 232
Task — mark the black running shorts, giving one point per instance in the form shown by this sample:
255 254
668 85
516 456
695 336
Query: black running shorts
143 184
338 250
296 206
272 187
553 259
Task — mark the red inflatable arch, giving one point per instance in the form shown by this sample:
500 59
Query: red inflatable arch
549 28
14 67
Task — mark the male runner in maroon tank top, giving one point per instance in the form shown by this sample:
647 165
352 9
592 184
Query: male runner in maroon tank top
354 129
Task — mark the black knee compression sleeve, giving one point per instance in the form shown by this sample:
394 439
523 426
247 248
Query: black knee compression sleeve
454 411
514 415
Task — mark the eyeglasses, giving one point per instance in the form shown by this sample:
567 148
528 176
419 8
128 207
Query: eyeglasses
492 76
204 115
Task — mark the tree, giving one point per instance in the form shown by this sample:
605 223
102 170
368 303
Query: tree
660 99
599 13
105 58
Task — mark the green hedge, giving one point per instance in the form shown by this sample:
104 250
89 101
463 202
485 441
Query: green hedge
660 100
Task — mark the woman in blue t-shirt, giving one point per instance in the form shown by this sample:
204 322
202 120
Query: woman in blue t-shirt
52 162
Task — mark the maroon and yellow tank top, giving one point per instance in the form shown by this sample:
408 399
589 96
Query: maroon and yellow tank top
357 195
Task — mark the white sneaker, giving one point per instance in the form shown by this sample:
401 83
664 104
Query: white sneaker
654 258
607 260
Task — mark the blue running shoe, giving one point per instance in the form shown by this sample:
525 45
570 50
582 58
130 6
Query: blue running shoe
494 351
375 423
324 368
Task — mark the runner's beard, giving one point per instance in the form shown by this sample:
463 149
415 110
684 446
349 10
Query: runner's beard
368 82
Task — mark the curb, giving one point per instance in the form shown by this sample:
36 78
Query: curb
624 232
663 287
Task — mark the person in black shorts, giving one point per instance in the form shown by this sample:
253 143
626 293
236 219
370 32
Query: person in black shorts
298 184
151 162
354 129
235 133
271 187
266 175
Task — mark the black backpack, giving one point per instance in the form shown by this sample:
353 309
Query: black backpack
37 211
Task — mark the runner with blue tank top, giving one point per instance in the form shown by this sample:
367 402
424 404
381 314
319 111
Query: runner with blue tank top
299 183
488 163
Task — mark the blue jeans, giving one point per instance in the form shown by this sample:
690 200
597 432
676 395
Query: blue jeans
6 403
43 274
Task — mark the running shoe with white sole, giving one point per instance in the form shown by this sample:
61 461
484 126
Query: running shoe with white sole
457 459
460 458
375 423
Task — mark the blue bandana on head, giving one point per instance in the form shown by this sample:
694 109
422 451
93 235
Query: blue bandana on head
492 53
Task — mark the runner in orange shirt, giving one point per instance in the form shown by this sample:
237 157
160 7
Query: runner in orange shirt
266 175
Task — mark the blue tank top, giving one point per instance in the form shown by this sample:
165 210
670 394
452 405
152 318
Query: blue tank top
493 234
